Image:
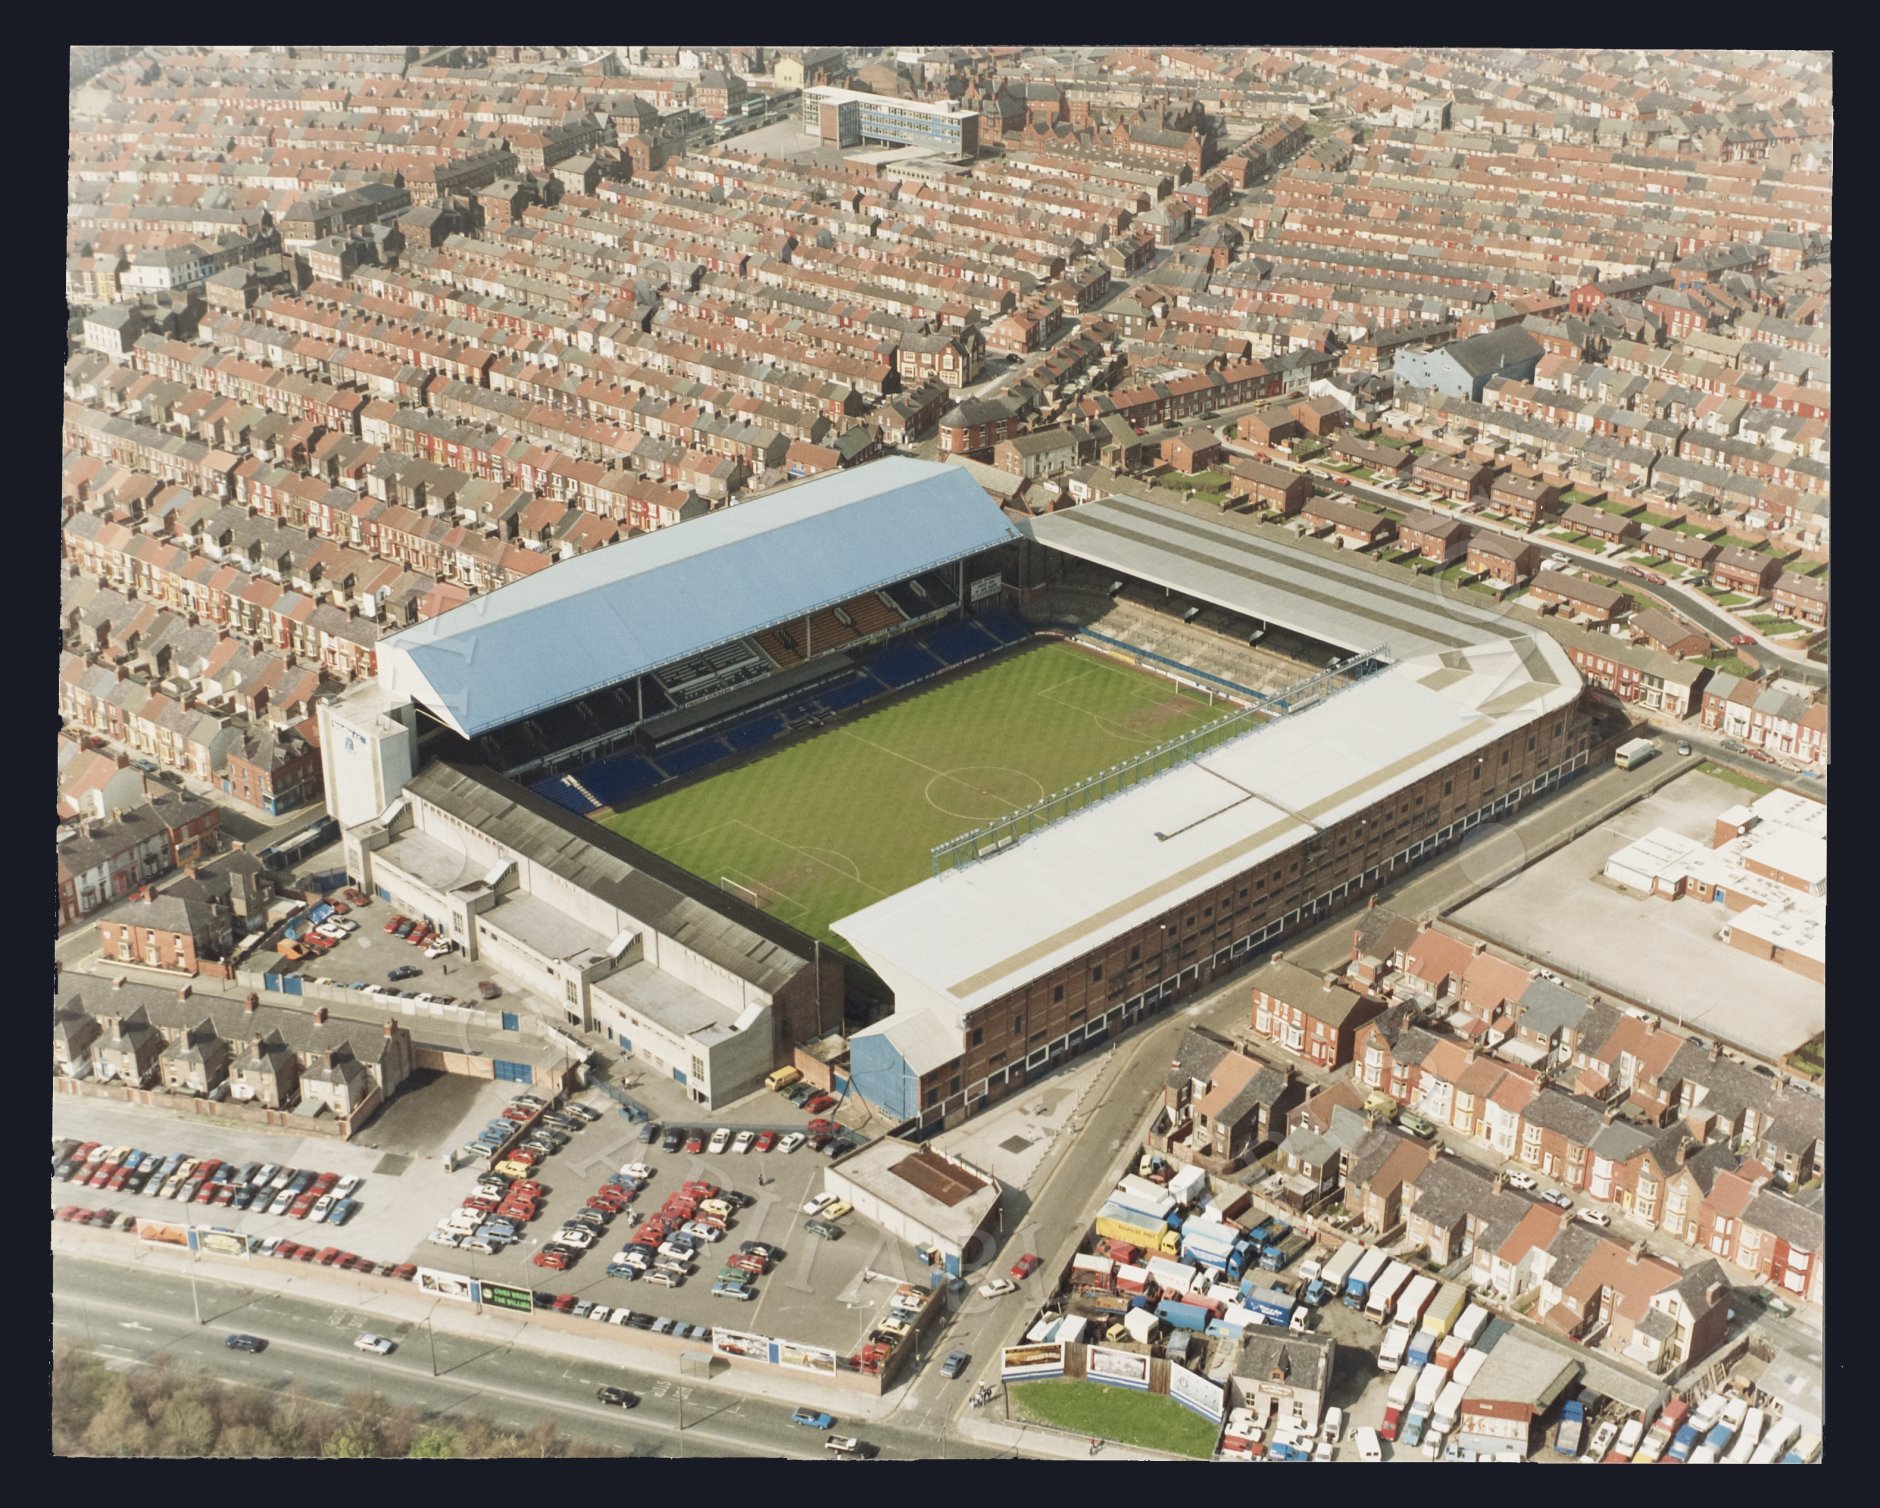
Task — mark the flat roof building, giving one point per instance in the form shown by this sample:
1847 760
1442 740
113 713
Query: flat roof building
844 118
920 1195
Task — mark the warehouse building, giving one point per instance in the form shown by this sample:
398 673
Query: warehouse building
930 1201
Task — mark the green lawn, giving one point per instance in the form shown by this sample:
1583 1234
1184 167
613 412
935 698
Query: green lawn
828 825
1209 480
1119 1414
1736 778
1728 664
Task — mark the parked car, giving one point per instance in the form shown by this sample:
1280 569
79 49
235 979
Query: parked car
404 971
815 1204
1593 1217
813 1419
649 1132
1742 638
1558 1199
721 1138
824 1229
1416 1125
790 1141
1520 1180
743 1142
695 1141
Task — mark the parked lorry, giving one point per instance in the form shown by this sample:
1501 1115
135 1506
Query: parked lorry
1141 1325
1781 1435
1468 1364
1449 1352
1407 1308
1150 1201
1572 1426
1150 1238
1448 1409
1117 1251
1358 1284
1430 1384
1184 1316
1391 1282
1474 1320
1445 1309
1273 1306
1402 1389
1422 1345
1748 1438
1092 1273
1190 1186
1132 1279
1390 1354
1278 1255
1338 1267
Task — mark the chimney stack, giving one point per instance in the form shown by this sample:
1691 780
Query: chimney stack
391 1026
118 983
1638 1250
250 1005
183 993
1478 949
319 1016
1684 1153
1716 1051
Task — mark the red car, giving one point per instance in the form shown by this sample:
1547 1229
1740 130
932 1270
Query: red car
527 1156
766 1140
122 1177
328 1257
339 907
404 1271
207 1193
697 1188
824 1128
1742 639
1025 1266
527 1188
225 1193
602 1206
551 1259
522 1212
303 1206
357 897
746 1262
99 1176
360 1264
819 1102
306 1254
393 923
324 1182
563 1303
420 935
1342 481
517 1114
695 1142
481 1203
287 1250
71 1212
346 1261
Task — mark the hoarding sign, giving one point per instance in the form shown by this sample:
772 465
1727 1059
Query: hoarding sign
1192 1392
741 1343
1123 1369
163 1233
222 1243
445 1285
501 1296
788 1353
986 586
1032 1361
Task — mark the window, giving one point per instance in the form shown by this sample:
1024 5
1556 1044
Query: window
953 1084
1135 953
1057 994
1018 1021
979 1035
698 1068
1096 977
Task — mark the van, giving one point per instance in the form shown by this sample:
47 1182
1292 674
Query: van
783 1078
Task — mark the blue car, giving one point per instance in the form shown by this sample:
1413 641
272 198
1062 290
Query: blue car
812 1419
342 1212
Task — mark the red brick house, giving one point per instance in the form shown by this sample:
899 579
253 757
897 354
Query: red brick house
274 769
1454 477
1030 327
1502 558
1747 571
1434 536
1272 425
1315 1016
105 861
1803 598
1321 416
1680 549
1613 528
1587 599
1526 498
1385 461
1669 634
1191 451
1268 485
172 931
1356 527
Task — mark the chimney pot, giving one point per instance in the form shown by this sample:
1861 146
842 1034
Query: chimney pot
391 1026
1478 950
319 1016
250 1005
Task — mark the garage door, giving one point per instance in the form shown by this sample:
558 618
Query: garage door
518 1073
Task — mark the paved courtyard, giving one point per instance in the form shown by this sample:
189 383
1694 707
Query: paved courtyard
1665 954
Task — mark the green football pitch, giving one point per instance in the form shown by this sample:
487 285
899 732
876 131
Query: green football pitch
835 822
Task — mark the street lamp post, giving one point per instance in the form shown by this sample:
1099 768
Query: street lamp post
430 1333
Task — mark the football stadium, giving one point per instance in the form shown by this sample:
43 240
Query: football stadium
1038 778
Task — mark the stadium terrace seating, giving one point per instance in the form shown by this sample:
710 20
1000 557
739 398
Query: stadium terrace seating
617 776
827 631
563 795
840 698
873 613
903 664
771 641
760 730
956 643
677 762
1005 627
716 670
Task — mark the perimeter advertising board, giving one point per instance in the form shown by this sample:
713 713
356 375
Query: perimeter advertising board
789 1353
222 1243
1121 1369
1032 1361
501 1296
163 1233
741 1343
445 1285
1197 1393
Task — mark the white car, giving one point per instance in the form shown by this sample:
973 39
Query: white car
438 950
997 1288
703 1231
721 1138
347 1186
637 1170
1520 1180
442 1238
1333 1429
1558 1200
378 1345
743 1143
1365 1439
1593 1217
574 1235
816 1204
600 1312
791 1142
323 1206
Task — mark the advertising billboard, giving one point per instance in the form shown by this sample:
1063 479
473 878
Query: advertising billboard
788 1353
501 1296
986 586
1197 1393
163 1233
1032 1361
445 1285
1122 1369
741 1343
222 1243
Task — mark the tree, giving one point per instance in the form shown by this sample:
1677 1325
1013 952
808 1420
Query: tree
436 1442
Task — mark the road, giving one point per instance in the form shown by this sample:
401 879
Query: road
310 1344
